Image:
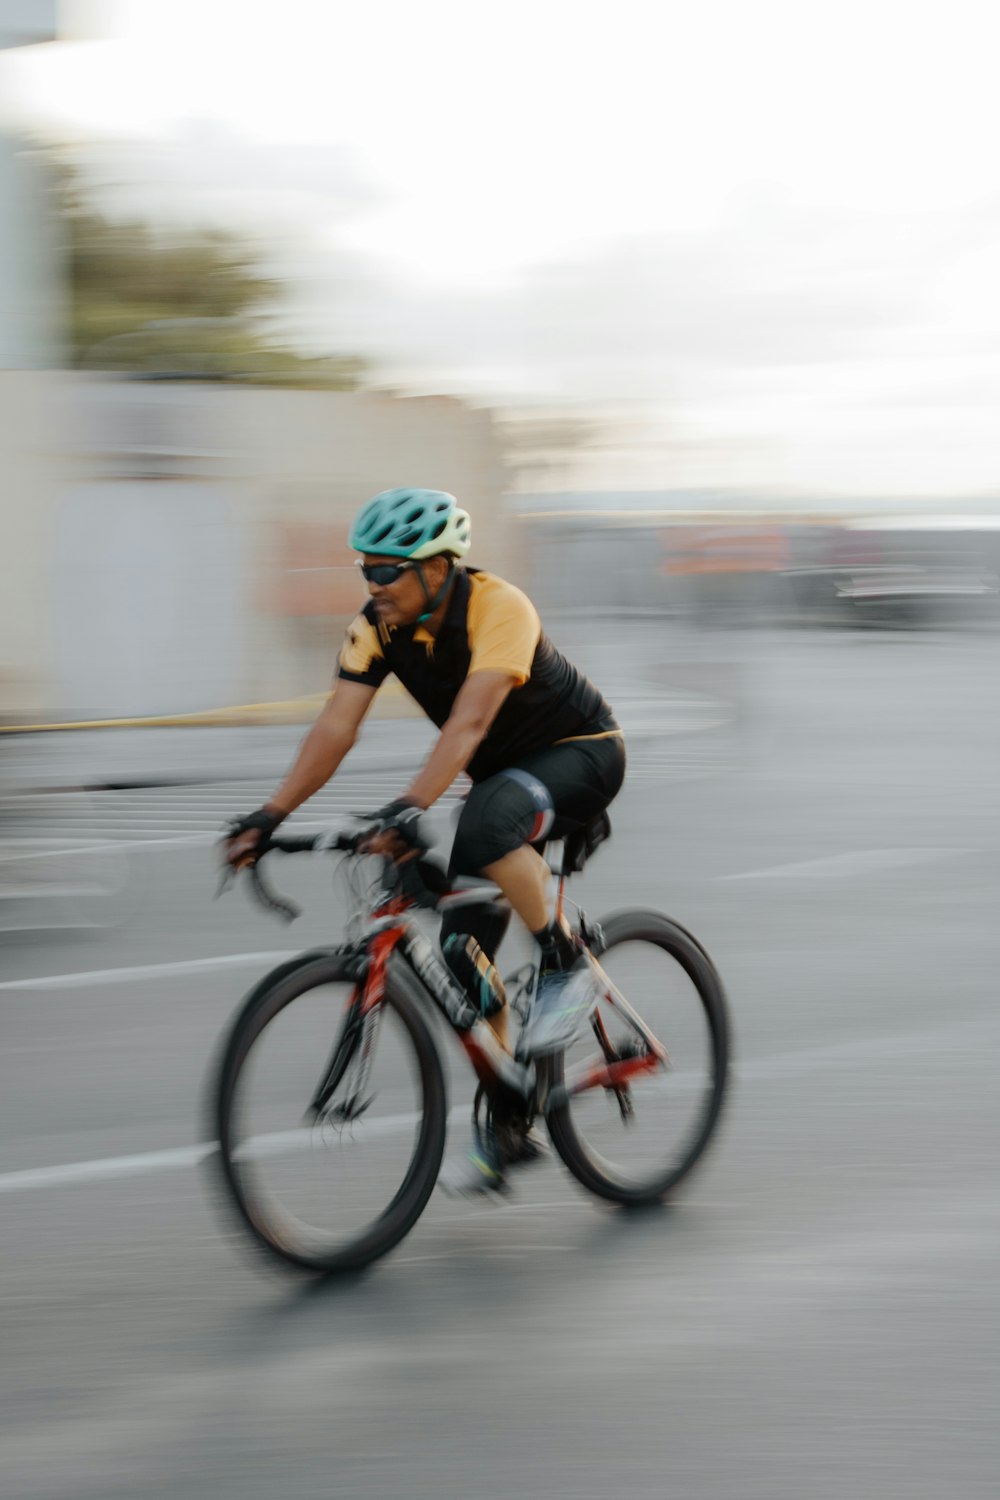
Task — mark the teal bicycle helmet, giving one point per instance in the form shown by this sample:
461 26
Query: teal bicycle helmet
412 523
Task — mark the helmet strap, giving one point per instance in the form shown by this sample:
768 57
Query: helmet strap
432 604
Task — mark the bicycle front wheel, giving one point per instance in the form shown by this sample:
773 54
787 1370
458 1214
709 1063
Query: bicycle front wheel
634 1146
320 1191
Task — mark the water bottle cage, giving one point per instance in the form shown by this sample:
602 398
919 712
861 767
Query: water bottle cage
476 975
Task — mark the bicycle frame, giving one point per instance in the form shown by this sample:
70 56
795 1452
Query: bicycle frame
402 1074
388 930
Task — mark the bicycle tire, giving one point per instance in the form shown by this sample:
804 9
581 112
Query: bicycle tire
591 1169
262 1006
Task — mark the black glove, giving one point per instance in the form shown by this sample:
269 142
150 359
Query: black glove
265 822
403 819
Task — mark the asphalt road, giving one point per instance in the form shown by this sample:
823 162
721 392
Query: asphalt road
815 1316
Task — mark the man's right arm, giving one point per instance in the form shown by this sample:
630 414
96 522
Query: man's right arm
325 746
319 756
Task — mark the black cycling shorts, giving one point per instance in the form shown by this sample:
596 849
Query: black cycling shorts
544 795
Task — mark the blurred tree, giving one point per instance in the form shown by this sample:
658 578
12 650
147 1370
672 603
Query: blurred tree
166 303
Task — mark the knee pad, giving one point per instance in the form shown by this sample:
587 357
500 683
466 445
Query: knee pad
502 814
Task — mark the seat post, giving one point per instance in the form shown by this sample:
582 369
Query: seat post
555 855
559 899
555 858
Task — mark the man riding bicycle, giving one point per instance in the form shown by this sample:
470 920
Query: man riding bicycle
537 739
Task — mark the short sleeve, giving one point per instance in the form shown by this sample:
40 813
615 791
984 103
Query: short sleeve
504 628
361 659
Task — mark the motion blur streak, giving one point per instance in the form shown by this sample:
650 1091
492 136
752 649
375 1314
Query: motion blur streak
696 310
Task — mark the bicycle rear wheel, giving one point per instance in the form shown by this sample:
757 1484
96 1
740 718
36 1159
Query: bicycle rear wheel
320 1193
636 1148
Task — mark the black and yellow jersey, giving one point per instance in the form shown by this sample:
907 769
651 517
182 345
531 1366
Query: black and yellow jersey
489 625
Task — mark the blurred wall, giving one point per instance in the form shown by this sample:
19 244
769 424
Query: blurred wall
582 564
732 568
30 467
173 547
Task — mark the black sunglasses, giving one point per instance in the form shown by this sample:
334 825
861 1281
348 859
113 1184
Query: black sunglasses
383 573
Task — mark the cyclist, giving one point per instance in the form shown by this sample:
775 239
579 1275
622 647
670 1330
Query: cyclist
537 739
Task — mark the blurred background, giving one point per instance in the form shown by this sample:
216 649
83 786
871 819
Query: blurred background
697 312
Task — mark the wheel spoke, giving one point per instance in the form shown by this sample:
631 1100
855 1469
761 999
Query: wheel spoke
325 1193
634 1143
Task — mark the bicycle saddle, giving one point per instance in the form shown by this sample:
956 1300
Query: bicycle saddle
582 839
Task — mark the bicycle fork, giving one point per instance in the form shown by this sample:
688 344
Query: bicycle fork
355 1044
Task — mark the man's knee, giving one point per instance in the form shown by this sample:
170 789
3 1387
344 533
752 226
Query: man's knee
497 818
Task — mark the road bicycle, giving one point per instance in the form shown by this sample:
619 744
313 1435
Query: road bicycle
329 1101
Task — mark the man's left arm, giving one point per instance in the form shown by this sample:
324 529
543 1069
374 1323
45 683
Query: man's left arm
479 700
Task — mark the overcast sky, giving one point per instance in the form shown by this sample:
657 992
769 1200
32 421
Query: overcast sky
776 224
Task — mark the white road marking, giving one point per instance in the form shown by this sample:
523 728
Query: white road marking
104 1168
144 1162
933 1042
139 840
148 971
857 862
811 1060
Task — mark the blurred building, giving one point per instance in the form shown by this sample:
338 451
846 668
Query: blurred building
722 557
172 546
182 546
31 316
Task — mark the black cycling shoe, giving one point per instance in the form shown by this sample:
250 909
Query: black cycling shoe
479 1171
505 1139
519 1144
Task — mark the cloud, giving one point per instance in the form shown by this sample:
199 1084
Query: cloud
771 286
